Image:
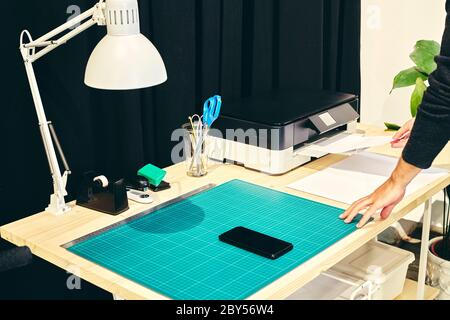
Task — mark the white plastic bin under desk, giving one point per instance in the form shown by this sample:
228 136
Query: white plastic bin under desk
384 266
332 286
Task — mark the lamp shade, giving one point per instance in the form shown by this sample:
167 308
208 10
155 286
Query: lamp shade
125 63
124 59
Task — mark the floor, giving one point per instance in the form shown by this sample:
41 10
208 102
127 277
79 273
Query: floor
43 281
413 271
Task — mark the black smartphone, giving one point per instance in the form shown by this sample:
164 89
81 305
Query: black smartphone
256 242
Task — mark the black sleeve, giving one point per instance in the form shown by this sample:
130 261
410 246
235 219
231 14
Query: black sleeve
431 131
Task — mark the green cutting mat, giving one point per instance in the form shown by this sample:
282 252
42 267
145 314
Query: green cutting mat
176 250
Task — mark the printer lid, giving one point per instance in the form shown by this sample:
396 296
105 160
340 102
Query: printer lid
281 108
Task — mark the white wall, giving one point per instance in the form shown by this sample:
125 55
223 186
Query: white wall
390 28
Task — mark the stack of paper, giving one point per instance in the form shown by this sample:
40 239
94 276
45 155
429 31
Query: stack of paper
346 143
358 176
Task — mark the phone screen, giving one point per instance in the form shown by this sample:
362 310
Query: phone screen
256 242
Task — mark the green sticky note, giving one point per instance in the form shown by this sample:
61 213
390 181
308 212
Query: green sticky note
153 174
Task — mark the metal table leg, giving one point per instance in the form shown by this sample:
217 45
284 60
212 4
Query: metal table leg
424 250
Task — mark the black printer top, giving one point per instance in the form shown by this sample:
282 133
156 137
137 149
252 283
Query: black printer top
280 108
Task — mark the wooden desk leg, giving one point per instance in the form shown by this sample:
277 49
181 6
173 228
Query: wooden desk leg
424 250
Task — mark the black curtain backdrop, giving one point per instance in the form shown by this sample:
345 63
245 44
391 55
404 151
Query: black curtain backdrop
229 47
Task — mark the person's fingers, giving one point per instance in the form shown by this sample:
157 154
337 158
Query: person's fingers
386 212
401 136
399 144
350 209
347 212
366 217
401 132
357 209
398 135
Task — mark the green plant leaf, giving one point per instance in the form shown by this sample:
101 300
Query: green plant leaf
430 45
408 78
392 126
423 55
417 96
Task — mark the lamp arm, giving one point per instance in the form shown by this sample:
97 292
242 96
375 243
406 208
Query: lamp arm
63 40
95 15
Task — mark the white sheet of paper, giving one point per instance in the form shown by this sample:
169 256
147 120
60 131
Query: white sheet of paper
345 142
357 177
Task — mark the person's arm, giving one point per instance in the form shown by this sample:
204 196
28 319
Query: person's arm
431 130
430 134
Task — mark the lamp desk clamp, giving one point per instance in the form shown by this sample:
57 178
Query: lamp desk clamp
123 60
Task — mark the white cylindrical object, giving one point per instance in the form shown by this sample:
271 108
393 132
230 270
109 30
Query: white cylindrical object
122 17
102 180
424 250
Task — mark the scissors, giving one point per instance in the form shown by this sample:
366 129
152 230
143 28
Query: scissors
211 110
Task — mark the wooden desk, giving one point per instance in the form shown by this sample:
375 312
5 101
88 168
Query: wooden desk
44 234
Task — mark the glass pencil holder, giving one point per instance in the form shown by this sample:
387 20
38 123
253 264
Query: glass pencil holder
196 150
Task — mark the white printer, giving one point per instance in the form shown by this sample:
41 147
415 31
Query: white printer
270 132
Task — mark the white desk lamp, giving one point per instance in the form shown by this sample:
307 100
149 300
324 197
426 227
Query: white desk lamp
124 59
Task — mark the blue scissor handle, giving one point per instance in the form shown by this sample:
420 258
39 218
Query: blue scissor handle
211 110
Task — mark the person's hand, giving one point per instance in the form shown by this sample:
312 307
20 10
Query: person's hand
401 138
384 198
